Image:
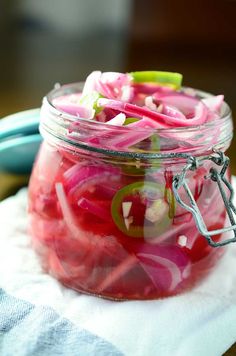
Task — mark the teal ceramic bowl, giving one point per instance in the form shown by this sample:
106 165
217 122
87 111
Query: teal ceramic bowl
19 141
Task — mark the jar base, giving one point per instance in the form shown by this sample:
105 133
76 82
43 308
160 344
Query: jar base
199 274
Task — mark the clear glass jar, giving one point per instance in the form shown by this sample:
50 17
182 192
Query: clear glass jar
107 222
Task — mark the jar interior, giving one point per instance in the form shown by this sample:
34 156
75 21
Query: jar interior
103 216
116 230
123 141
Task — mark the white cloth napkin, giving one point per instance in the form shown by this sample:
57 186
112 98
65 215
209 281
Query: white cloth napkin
200 322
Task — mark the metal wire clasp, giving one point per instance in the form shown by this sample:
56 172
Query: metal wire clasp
179 181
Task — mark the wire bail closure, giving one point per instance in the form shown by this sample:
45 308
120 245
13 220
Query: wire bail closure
219 158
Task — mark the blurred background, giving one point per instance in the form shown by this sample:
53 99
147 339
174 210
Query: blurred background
49 41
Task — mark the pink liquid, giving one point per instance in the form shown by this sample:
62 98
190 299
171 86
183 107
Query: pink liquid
71 203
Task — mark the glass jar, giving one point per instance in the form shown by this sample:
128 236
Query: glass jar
130 223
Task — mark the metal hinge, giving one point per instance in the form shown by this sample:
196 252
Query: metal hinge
179 181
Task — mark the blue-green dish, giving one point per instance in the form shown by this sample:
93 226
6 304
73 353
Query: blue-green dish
19 141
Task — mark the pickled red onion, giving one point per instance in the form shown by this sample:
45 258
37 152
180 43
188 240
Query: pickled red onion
67 212
183 102
93 208
75 109
172 112
168 269
118 272
173 263
199 118
118 120
112 85
214 103
79 175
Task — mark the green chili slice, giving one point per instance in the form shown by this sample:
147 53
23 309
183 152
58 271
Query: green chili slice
162 78
90 100
130 120
148 197
169 196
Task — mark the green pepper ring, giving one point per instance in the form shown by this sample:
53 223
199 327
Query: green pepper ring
140 231
169 197
159 77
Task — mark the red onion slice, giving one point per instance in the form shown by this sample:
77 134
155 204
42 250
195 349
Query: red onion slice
80 175
171 111
214 103
200 113
183 102
94 209
167 266
118 120
112 85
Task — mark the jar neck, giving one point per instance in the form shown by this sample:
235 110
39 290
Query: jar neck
123 143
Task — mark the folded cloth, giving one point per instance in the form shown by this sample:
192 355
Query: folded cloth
38 316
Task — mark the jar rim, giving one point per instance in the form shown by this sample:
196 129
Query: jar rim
79 85
224 118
